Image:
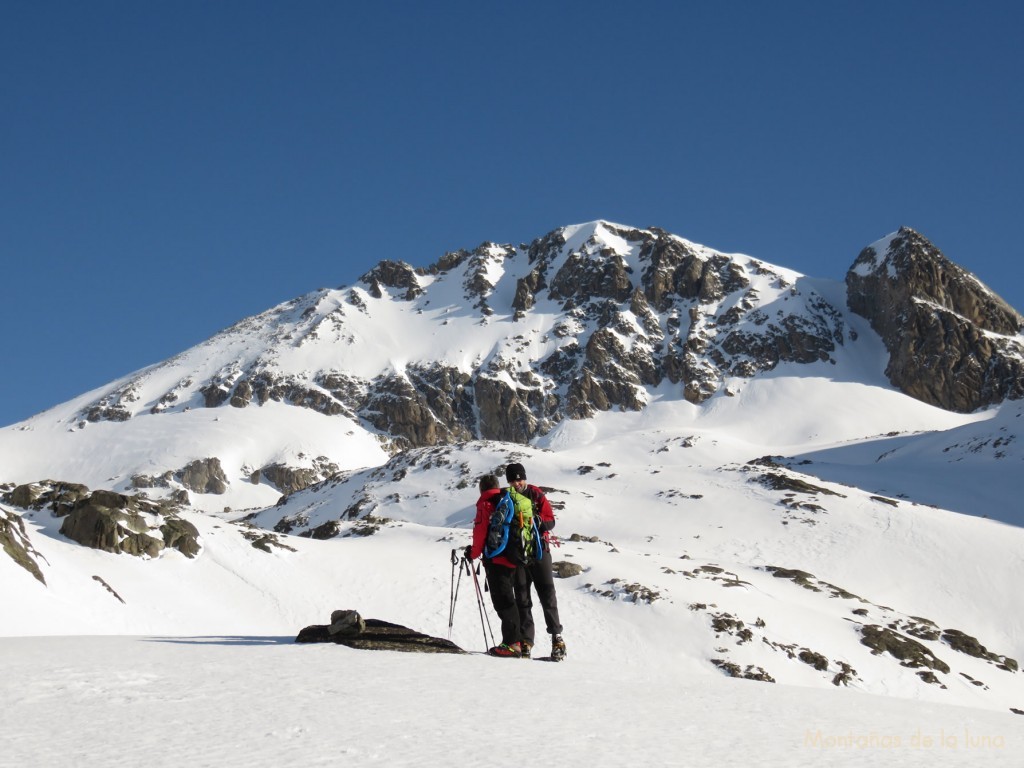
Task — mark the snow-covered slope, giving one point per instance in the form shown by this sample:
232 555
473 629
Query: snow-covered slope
975 468
691 554
798 519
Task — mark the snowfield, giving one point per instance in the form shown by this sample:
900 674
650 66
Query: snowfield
226 701
809 568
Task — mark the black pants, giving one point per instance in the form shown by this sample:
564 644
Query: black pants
502 583
540 576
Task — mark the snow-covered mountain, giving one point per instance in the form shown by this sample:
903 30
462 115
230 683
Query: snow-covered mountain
506 343
743 483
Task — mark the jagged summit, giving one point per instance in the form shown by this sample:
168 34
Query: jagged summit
952 341
907 256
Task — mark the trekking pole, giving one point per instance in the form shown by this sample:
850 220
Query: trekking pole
480 604
486 615
454 592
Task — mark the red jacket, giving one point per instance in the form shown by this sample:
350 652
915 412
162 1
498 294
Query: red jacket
488 500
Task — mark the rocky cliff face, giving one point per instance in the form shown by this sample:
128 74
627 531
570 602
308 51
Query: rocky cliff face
952 342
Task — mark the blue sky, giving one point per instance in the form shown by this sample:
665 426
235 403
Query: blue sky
167 169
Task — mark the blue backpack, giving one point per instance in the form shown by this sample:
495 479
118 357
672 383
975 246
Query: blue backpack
512 531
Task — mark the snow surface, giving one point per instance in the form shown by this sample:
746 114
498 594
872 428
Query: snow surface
198 664
226 701
119 661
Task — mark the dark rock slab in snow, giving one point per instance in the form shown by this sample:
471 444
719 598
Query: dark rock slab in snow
377 635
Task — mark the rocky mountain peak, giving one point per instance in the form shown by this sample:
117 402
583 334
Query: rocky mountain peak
600 312
911 260
952 341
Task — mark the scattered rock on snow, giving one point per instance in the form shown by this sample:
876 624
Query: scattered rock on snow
750 672
910 652
564 569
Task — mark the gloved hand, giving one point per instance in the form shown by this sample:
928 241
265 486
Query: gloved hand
469 552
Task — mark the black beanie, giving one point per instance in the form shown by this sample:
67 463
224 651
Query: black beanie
515 472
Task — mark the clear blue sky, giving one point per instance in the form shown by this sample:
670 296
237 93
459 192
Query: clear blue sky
168 168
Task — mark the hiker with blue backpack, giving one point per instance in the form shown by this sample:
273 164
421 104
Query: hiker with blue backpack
538 570
502 564
511 533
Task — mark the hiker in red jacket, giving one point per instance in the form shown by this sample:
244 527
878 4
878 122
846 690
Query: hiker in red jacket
539 572
505 578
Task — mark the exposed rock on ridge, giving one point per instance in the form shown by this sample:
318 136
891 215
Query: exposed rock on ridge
952 342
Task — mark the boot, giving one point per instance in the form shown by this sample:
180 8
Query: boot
507 651
557 647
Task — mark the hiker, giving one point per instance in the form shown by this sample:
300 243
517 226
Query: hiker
502 574
538 572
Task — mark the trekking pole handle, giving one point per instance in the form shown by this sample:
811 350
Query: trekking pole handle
455 557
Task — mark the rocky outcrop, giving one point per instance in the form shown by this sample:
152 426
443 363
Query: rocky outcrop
203 476
260 386
585 276
57 496
113 522
396 407
348 628
447 393
477 269
292 479
163 480
15 543
393 274
181 535
505 412
676 270
117 405
215 393
952 342
910 652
